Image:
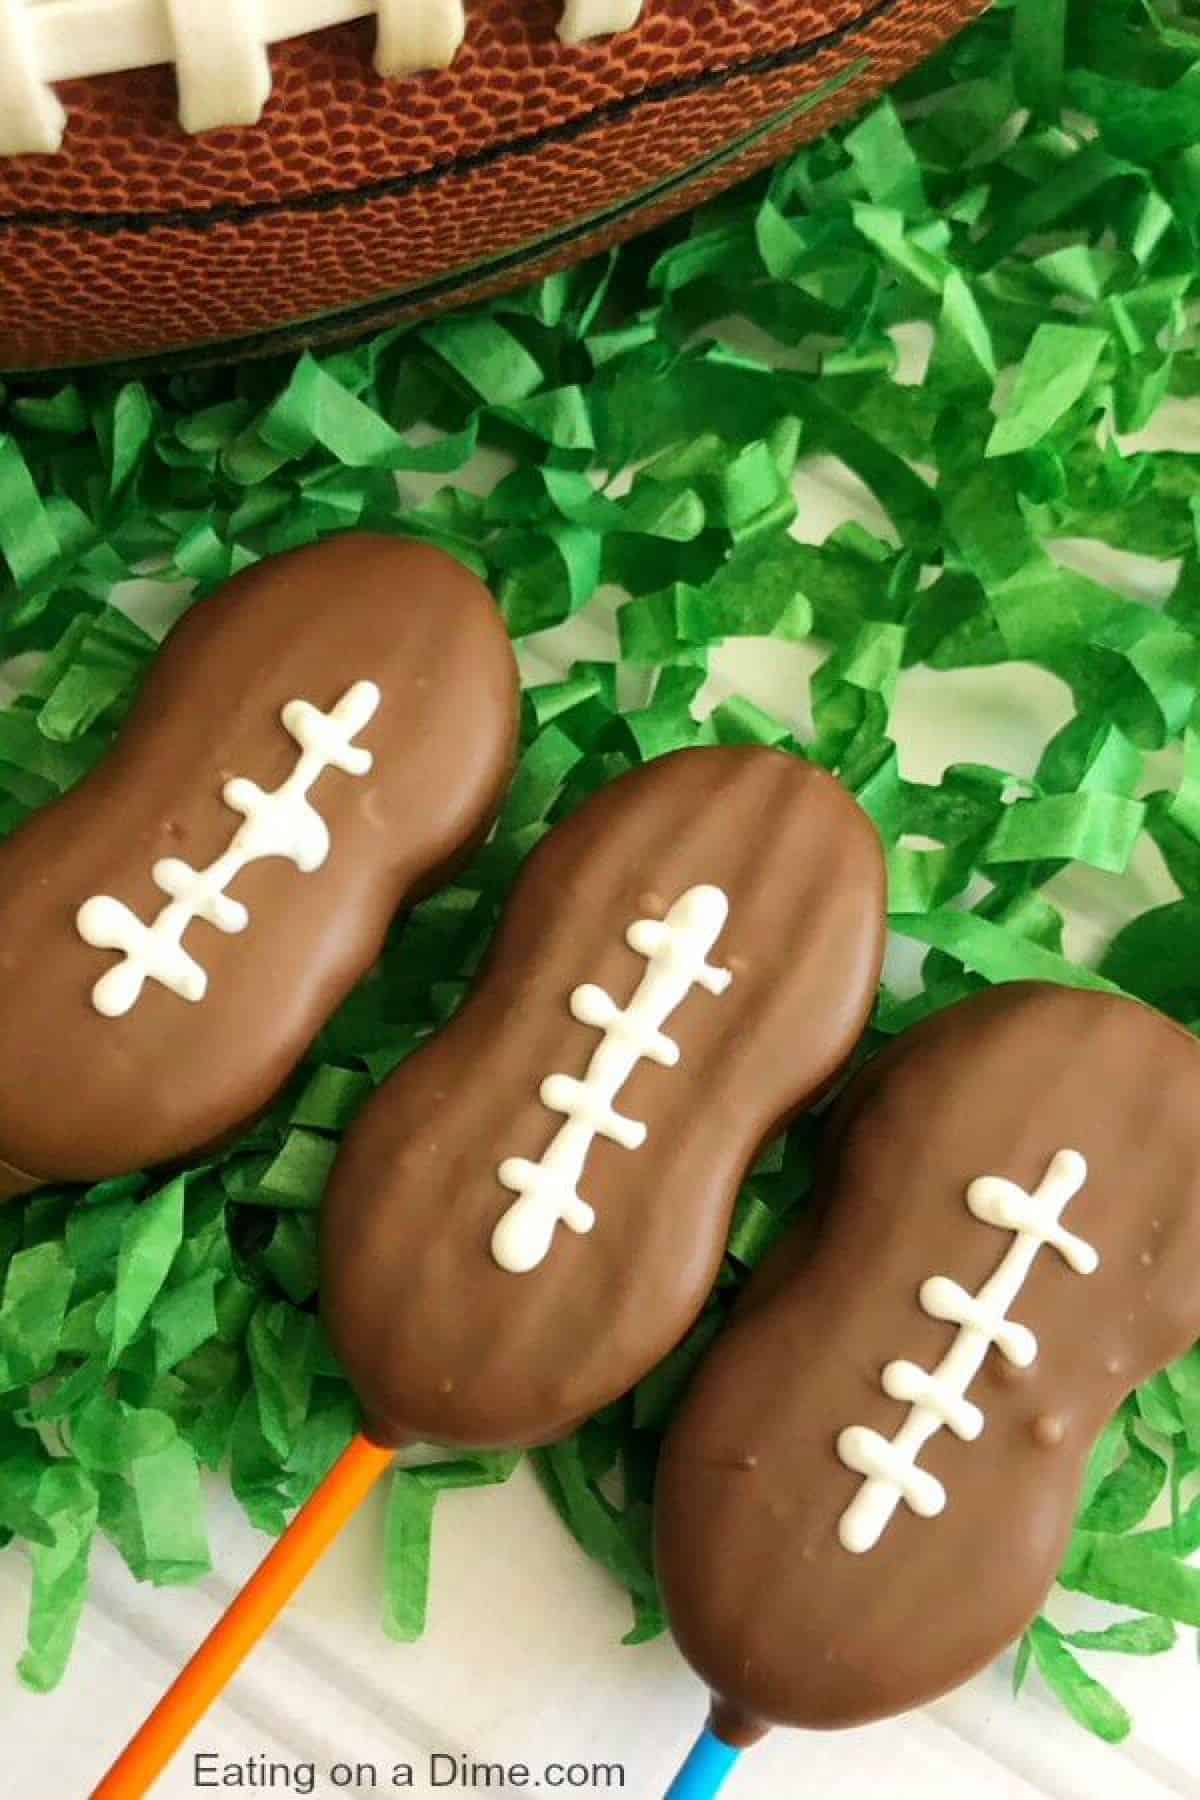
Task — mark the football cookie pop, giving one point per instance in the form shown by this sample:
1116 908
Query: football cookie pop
533 1209
175 931
872 1481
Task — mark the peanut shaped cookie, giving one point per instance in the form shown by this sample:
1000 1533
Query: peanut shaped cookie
532 1210
315 746
872 1481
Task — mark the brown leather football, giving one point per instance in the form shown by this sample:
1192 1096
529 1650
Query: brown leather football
204 173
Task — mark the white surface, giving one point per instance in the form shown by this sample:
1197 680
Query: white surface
523 1660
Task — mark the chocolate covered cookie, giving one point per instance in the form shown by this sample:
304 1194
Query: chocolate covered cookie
533 1209
872 1482
314 747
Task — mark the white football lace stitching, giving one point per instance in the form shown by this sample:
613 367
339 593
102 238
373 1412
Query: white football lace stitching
676 951
282 822
219 49
937 1398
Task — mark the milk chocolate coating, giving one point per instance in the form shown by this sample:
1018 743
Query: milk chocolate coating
787 1626
84 1096
439 1341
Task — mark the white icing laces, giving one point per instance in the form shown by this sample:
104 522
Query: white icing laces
219 49
937 1399
280 823
676 949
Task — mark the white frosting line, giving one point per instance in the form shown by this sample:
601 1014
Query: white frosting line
995 1201
280 823
937 1398
219 48
676 950
944 1299
907 1381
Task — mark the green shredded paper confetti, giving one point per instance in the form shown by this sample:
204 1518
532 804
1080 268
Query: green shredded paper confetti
1029 203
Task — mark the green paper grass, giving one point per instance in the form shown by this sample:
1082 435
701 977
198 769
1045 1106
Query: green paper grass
1031 201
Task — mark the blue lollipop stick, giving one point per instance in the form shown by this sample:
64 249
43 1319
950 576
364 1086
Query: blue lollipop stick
708 1767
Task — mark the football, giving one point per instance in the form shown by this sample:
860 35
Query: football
195 179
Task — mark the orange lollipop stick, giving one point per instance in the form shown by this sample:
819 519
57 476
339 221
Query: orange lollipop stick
250 1616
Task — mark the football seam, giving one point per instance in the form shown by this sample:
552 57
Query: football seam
396 186
359 316
438 286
